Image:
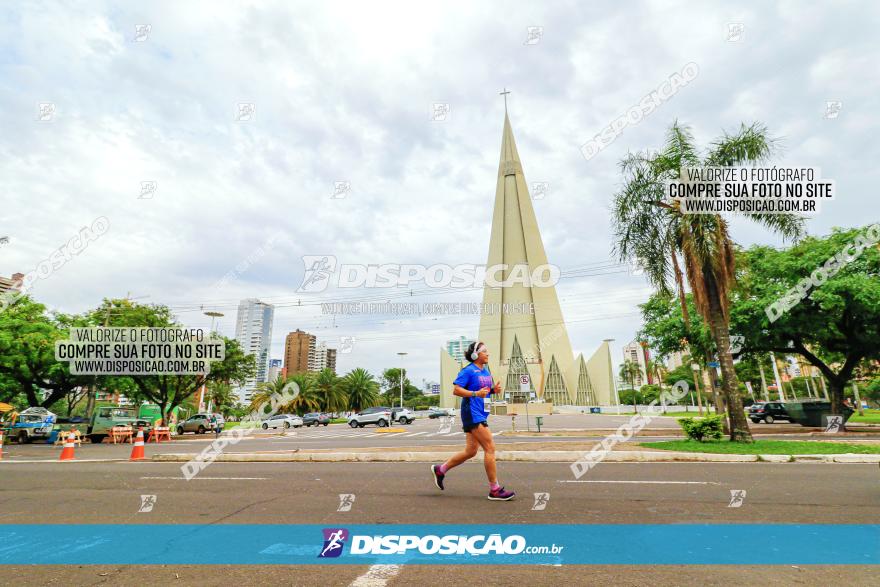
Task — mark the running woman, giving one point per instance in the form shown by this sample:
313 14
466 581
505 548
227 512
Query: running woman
473 385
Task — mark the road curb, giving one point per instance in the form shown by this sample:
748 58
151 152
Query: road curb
553 456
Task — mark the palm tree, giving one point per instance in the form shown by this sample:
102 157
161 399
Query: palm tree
629 371
333 398
362 390
221 394
656 369
651 229
308 399
264 393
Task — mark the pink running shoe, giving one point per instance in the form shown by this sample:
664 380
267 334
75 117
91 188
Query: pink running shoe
501 495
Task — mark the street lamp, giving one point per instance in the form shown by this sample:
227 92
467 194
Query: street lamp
213 315
401 355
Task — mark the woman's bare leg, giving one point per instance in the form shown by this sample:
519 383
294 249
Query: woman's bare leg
469 452
483 436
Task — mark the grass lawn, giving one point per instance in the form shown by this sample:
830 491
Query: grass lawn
672 414
870 417
765 447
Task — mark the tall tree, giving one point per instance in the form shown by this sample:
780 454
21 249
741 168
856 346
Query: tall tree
362 389
628 372
168 391
27 356
330 392
835 327
649 226
308 399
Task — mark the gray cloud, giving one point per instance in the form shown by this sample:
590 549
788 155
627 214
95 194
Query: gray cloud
344 93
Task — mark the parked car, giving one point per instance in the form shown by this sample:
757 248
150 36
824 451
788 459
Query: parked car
438 413
402 415
768 412
380 416
200 423
316 419
106 417
282 421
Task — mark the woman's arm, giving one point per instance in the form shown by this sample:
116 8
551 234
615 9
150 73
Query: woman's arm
462 392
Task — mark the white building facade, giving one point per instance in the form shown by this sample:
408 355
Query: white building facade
253 331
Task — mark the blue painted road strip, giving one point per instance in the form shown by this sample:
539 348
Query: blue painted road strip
614 544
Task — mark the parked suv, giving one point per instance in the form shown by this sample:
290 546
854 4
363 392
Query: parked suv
402 415
315 419
768 412
200 423
380 416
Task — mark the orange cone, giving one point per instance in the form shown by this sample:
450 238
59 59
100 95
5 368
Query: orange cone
137 451
67 451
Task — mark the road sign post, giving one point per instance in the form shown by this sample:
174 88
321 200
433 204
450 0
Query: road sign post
525 386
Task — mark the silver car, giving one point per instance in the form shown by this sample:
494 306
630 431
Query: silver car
402 415
200 423
380 416
283 421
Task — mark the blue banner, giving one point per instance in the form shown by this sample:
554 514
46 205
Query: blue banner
359 544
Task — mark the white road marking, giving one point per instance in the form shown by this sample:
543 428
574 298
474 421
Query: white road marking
377 576
213 478
642 482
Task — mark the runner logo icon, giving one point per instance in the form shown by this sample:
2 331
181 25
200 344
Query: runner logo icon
334 541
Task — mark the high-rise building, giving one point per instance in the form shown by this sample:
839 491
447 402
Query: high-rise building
457 347
11 283
253 331
275 367
525 331
318 357
637 353
298 350
331 359
303 353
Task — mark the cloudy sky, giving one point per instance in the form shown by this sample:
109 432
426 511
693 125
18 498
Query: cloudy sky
344 92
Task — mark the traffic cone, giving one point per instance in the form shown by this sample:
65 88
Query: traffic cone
67 451
137 451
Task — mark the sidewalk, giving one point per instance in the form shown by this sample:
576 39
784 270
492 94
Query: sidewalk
432 455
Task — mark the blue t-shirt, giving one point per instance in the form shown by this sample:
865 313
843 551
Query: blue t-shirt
474 409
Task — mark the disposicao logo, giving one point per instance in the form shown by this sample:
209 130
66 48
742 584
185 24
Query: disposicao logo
334 541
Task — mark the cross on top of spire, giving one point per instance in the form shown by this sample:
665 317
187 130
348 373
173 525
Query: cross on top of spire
504 93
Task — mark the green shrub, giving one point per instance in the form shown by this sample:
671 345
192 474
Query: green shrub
700 428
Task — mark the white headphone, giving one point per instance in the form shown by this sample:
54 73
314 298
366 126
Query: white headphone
476 352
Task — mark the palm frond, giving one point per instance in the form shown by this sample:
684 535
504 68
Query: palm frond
752 144
790 226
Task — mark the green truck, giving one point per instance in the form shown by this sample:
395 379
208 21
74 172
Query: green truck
106 417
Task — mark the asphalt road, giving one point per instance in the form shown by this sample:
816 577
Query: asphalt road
423 432
308 493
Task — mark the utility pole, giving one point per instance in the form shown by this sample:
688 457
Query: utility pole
401 355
